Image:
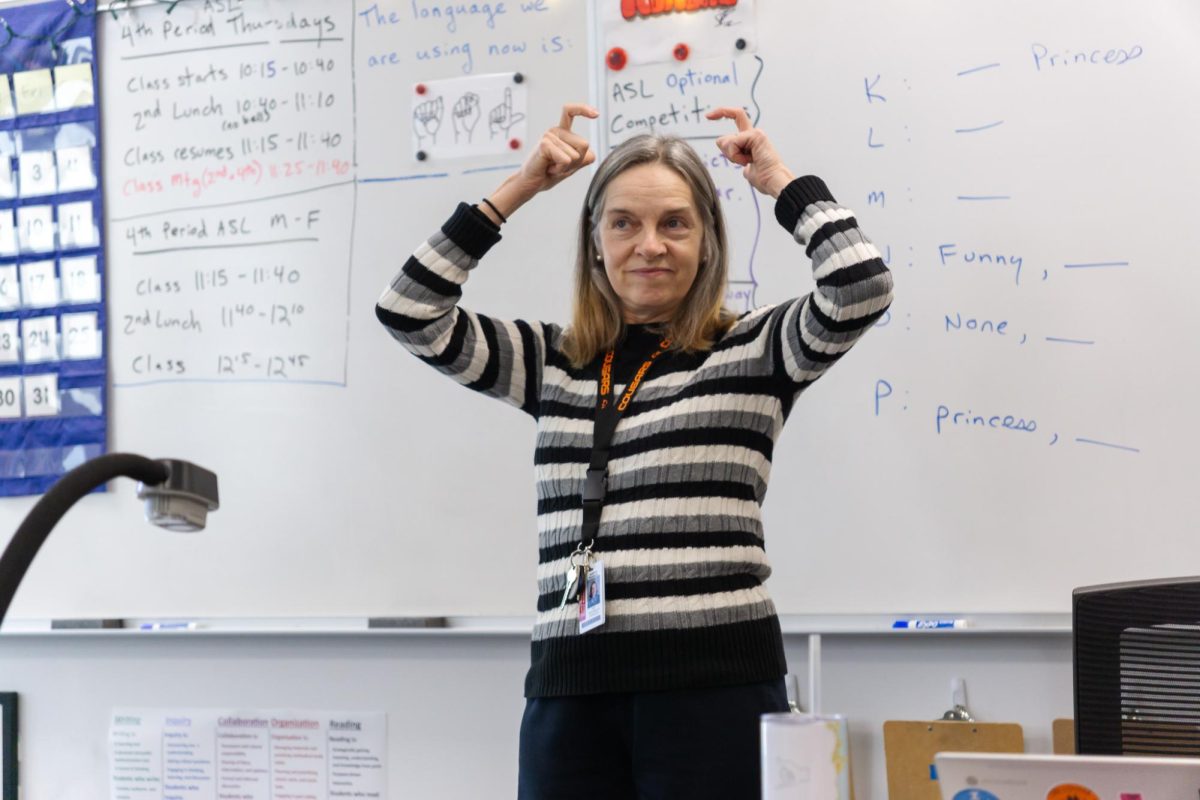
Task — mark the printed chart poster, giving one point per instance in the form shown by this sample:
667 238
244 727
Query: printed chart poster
53 374
205 754
474 116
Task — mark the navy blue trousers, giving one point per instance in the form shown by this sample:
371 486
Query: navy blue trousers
695 744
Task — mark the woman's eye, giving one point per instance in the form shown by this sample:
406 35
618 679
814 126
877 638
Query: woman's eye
621 224
675 223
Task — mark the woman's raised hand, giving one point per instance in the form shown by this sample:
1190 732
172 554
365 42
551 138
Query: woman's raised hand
750 147
560 153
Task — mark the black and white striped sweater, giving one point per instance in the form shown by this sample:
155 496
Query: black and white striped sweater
681 529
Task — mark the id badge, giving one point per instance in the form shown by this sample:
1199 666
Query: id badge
591 599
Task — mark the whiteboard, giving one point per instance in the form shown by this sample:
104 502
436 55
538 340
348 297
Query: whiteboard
355 481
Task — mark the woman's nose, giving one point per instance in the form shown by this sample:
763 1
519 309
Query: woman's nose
650 244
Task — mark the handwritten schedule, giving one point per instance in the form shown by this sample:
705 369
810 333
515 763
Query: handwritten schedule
236 193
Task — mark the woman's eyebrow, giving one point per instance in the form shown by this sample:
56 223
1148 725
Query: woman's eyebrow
620 210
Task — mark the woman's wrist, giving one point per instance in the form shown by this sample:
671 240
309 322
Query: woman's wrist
779 181
509 196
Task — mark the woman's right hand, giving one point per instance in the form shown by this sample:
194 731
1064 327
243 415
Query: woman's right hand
560 153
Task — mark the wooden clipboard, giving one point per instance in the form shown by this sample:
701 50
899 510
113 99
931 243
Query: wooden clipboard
910 747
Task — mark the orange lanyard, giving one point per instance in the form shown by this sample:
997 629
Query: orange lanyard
634 383
607 417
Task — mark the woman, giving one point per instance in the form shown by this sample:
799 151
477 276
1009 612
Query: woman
656 692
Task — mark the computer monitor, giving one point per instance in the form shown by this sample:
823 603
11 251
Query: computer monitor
1137 668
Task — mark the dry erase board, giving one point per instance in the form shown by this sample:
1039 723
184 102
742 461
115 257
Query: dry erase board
1020 424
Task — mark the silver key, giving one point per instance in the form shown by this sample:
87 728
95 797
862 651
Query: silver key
572 580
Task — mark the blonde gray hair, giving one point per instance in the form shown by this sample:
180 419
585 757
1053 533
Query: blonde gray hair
597 322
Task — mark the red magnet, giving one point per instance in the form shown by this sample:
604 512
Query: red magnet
421 88
681 52
617 59
514 144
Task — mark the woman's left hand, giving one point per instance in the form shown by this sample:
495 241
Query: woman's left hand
750 147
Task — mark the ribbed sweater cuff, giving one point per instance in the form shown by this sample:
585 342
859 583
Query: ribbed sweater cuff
797 196
470 229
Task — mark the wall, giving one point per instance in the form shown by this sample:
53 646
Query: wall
454 703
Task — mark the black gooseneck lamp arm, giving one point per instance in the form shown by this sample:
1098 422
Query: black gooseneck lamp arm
177 494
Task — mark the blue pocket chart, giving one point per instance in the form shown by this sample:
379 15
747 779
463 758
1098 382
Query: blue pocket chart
53 375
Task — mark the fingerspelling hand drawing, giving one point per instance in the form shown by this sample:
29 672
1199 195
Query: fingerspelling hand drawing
465 116
427 119
502 118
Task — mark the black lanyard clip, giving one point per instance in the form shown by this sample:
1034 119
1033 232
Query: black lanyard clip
593 487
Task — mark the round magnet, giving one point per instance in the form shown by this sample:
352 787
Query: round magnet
422 155
616 59
681 52
514 144
421 88
1071 791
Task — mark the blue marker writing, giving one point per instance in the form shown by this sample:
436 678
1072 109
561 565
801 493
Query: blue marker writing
930 624
168 626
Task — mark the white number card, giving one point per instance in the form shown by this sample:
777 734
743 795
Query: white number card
41 395
75 169
38 286
37 172
76 228
10 288
8 179
81 336
39 338
8 234
35 228
10 342
10 398
80 280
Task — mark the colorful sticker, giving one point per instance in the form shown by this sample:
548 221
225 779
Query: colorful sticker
1071 791
975 794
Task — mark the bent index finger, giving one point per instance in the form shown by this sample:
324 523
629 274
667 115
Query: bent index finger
738 115
572 110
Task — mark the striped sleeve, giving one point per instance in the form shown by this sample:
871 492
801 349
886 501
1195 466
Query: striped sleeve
499 358
853 286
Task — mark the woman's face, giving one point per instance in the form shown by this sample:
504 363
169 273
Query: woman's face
650 238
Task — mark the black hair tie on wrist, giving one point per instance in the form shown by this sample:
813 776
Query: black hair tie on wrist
493 208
